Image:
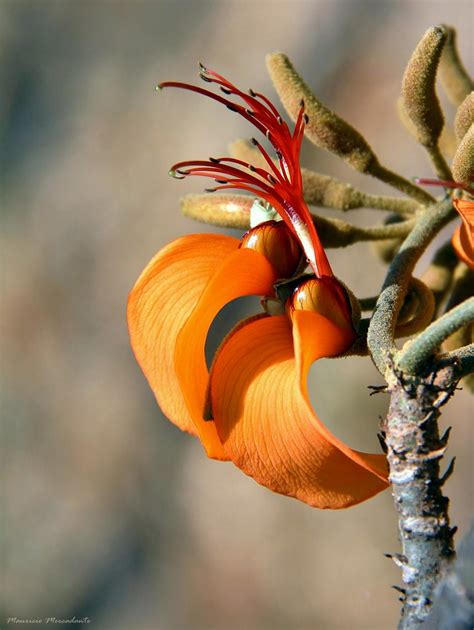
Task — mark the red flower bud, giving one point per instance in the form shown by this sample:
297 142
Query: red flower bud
274 240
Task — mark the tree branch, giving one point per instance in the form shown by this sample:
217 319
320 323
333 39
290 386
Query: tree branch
415 357
414 450
453 605
463 357
382 327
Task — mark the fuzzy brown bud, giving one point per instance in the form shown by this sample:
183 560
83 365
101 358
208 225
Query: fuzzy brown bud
418 87
464 116
275 241
463 161
324 128
453 76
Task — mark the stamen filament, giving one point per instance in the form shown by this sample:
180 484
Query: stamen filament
281 186
443 182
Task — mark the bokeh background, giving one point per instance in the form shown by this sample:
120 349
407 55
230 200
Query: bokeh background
109 511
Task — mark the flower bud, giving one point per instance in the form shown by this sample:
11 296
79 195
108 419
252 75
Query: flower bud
464 116
454 77
418 87
463 160
274 240
325 296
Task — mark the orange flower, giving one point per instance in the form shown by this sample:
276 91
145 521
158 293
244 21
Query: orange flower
255 394
463 237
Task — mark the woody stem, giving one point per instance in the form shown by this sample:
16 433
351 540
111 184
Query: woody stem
414 449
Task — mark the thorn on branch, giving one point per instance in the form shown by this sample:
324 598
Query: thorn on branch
430 416
445 437
382 442
399 589
433 455
377 389
399 559
442 399
448 472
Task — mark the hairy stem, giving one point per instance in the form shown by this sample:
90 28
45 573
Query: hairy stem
382 327
391 204
402 184
463 357
419 351
329 192
440 165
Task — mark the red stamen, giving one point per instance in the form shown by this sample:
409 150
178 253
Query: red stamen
281 187
269 160
255 169
269 104
445 183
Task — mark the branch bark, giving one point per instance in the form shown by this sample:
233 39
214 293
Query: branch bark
453 606
414 451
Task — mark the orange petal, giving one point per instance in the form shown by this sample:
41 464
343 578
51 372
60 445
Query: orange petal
463 237
160 303
315 337
266 424
243 272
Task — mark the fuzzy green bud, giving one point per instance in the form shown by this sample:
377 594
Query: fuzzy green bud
463 161
464 116
447 139
324 128
223 210
418 87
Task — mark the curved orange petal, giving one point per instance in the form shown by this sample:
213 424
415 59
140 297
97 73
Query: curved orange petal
315 337
159 304
242 272
267 426
463 237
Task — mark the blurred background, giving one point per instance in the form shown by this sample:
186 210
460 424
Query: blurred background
109 511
